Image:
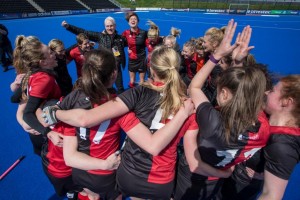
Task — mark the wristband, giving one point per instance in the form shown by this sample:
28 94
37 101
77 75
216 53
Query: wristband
212 59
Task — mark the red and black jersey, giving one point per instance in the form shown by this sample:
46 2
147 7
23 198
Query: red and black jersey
136 44
109 41
215 150
77 55
150 46
102 140
282 152
43 85
155 169
99 141
52 156
193 65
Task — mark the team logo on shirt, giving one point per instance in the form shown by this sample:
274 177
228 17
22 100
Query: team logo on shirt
248 137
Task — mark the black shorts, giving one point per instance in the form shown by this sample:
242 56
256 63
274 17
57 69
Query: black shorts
194 186
62 185
138 65
104 185
135 186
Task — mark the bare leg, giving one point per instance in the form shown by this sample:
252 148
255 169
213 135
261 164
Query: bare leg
119 197
142 77
132 77
92 195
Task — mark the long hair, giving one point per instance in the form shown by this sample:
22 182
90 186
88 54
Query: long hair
291 88
153 31
216 35
248 86
165 62
54 44
97 71
27 55
21 41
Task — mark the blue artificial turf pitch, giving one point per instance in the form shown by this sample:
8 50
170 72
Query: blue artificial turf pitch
276 40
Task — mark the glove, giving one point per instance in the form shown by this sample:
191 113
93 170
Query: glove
49 115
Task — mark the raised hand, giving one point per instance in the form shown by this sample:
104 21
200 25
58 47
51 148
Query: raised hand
225 48
64 23
243 40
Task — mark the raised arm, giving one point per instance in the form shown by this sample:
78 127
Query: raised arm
193 158
274 187
224 49
241 52
92 35
155 143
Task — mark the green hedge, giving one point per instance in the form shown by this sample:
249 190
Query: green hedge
206 4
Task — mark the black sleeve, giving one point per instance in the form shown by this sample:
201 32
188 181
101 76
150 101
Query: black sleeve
193 67
4 28
29 115
182 68
209 120
125 41
282 155
76 99
17 95
130 97
70 48
92 35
